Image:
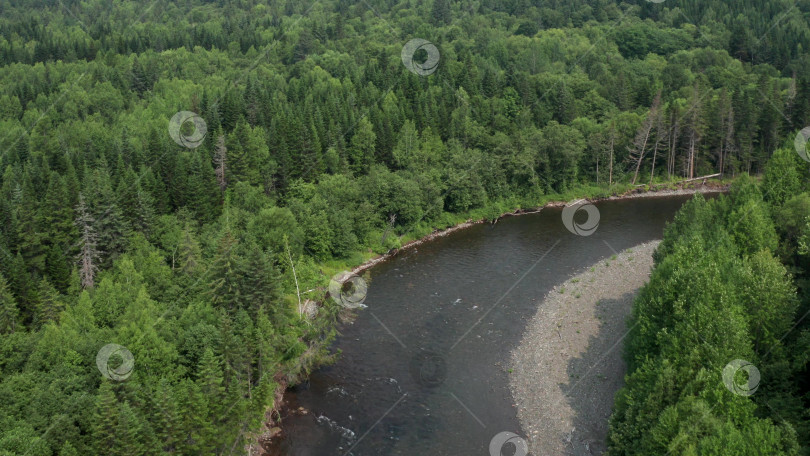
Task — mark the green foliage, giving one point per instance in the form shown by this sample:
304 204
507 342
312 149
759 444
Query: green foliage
781 180
9 313
716 294
323 149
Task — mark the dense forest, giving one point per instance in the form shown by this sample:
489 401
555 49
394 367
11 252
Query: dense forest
201 254
731 282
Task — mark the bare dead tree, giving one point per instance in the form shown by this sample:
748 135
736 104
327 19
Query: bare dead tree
695 134
295 276
674 136
612 144
88 242
728 144
220 160
661 134
727 137
392 218
643 135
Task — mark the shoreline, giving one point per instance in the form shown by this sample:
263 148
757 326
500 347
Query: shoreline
568 366
711 187
272 429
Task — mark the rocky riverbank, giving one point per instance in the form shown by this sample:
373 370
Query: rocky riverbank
269 433
709 187
568 366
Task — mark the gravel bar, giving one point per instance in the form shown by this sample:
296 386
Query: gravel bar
568 366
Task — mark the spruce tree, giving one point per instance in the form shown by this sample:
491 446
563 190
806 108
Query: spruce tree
58 268
50 304
165 418
210 381
105 419
68 450
441 14
128 433
195 427
225 290
189 257
9 313
110 225
29 233
56 213
260 281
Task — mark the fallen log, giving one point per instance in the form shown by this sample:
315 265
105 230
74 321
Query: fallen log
701 177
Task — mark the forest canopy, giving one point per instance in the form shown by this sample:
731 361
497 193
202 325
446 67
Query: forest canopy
321 148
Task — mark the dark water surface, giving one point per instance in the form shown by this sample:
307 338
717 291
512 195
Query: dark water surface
423 368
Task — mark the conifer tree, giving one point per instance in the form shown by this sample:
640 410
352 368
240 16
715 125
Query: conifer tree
165 418
441 13
68 450
56 213
57 268
88 248
195 427
105 419
29 233
50 304
210 381
110 225
225 290
260 282
361 152
189 256
9 313
127 433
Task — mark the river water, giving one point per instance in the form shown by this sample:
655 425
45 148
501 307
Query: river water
423 369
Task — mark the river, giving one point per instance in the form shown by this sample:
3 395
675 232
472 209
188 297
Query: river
423 367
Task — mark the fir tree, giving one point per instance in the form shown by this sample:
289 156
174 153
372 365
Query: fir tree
50 304
128 433
210 381
9 313
224 285
57 268
105 419
165 419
